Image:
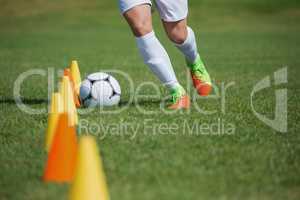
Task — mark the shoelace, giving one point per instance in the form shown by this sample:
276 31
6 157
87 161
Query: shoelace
175 97
198 69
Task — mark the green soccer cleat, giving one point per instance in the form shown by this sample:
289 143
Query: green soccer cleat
200 77
180 100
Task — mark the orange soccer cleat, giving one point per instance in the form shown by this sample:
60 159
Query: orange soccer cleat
200 77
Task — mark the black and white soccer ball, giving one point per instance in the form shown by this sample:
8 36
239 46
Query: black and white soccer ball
100 89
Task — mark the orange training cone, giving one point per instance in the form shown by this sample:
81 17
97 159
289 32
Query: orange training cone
62 156
89 181
56 107
73 86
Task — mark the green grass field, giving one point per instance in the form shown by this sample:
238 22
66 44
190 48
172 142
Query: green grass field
241 41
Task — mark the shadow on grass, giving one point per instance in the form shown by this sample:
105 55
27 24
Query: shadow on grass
23 100
142 102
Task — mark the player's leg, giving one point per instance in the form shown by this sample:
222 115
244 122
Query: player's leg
138 16
183 37
174 14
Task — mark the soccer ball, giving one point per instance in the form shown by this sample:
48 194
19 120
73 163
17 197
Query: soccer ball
100 89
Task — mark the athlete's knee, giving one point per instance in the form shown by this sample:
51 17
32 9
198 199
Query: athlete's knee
139 20
141 28
176 31
177 34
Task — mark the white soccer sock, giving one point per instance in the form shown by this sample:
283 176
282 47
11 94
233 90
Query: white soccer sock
189 46
156 57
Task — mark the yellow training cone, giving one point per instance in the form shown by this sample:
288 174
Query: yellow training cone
89 181
68 100
75 73
56 107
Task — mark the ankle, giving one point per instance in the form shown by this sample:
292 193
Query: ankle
179 90
196 65
194 61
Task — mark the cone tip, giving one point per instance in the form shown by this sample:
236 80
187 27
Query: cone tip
74 62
